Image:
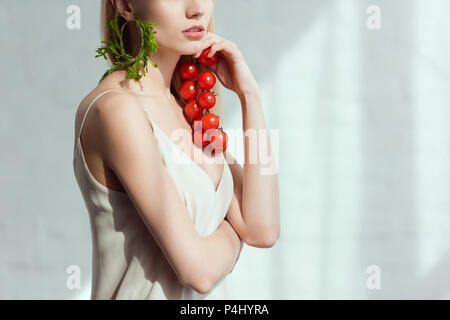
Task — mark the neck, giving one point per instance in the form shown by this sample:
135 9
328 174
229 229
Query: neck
157 79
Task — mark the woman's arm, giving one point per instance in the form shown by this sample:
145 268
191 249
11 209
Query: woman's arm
223 248
255 208
260 188
129 147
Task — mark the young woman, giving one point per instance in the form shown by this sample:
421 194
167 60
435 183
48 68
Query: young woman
163 229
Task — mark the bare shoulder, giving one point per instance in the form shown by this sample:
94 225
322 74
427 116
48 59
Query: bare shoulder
117 107
107 94
100 99
122 125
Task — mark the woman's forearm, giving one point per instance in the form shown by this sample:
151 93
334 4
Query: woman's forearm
260 193
222 249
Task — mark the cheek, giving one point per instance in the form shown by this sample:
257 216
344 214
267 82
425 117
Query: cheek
167 19
156 11
164 12
167 27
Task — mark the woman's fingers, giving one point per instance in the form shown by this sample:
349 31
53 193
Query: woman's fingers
207 44
228 48
216 46
210 39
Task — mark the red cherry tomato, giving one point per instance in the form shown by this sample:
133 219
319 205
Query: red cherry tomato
206 80
201 138
206 100
219 141
193 110
189 90
197 125
205 60
197 136
210 121
188 70
207 136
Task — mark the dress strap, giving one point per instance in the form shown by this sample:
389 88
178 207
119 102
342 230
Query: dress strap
90 105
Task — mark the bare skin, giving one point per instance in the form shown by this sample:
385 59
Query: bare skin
122 153
167 114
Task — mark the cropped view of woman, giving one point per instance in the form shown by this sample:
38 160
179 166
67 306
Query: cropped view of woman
164 228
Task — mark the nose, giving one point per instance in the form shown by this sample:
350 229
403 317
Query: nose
194 9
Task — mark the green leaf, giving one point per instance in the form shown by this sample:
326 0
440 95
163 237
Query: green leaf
124 60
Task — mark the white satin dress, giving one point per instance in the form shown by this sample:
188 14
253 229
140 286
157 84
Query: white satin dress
127 263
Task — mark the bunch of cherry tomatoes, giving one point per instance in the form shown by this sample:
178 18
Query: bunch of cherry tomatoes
205 125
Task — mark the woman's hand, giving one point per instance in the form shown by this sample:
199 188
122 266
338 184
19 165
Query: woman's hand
231 68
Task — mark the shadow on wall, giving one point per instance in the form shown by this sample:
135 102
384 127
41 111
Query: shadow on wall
263 30
387 233
271 28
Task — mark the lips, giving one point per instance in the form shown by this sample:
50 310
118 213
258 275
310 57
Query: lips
194 29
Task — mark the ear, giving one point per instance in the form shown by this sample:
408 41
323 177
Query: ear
125 8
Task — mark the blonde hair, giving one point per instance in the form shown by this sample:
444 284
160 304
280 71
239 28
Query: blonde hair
108 12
